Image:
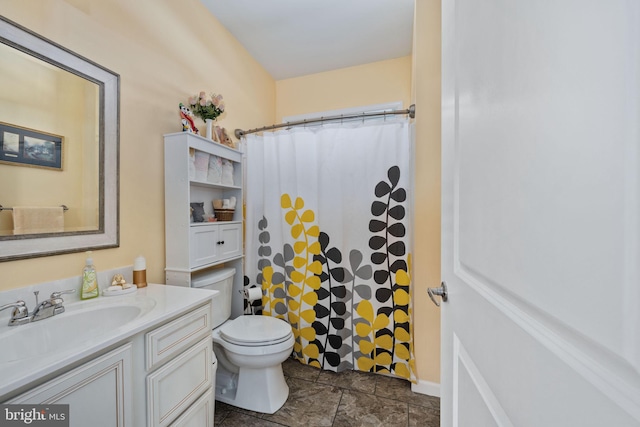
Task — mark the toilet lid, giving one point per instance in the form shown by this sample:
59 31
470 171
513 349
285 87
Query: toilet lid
255 329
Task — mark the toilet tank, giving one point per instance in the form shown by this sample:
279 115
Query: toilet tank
220 280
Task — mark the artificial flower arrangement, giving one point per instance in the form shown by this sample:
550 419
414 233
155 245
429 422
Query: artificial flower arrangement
206 108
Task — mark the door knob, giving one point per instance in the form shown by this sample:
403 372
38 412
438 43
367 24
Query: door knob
441 292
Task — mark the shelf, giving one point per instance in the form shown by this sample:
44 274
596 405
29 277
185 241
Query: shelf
205 223
191 247
213 264
201 143
214 185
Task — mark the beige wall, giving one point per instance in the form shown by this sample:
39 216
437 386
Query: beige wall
164 51
426 93
369 84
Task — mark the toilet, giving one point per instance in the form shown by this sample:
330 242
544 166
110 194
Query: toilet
249 350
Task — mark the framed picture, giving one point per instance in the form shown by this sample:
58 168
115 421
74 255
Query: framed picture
27 147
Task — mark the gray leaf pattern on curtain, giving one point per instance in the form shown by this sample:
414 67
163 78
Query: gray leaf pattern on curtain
342 329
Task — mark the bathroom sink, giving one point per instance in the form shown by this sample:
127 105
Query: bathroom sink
66 330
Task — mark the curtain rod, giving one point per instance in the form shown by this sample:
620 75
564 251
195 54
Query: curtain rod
411 111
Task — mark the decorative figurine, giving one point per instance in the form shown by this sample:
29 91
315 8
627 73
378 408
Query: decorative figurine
187 120
226 139
223 137
119 281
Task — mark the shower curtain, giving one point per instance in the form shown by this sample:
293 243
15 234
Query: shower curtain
328 240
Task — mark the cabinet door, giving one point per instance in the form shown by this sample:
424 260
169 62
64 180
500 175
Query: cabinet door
175 386
231 241
203 244
169 340
200 414
98 393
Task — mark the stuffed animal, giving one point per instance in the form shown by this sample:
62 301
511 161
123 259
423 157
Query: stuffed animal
223 137
188 124
226 139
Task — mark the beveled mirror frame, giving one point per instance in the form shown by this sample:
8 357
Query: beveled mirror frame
108 233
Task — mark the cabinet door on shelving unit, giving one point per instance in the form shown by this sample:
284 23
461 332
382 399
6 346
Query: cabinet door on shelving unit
203 244
231 238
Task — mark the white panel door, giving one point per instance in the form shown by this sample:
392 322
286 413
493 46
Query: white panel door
541 213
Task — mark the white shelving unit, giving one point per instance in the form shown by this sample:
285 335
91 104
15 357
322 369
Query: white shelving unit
193 248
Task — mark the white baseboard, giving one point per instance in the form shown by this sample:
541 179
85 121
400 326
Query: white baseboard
426 387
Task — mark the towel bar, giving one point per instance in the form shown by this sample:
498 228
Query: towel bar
2 208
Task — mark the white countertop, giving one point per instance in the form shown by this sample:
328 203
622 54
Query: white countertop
159 303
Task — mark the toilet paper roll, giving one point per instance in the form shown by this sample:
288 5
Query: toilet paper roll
253 294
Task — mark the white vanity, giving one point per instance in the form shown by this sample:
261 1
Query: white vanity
143 359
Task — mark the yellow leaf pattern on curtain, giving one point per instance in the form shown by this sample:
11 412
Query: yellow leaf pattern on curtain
355 317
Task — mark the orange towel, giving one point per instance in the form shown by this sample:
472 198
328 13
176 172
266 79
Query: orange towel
34 220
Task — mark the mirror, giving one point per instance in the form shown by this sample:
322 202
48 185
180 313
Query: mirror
59 124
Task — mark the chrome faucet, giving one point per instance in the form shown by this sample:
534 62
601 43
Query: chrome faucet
43 310
20 313
49 307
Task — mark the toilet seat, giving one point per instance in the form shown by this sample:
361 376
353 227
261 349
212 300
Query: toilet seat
255 331
256 344
256 349
254 335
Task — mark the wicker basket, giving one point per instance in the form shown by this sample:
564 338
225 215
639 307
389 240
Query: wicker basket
224 214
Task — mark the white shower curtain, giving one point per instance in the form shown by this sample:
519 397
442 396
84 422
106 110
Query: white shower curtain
328 240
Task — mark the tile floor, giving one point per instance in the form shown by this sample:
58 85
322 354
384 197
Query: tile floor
322 398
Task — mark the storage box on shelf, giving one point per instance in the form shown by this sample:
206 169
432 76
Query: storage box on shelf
198 170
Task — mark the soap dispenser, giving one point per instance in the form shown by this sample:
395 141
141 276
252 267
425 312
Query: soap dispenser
89 280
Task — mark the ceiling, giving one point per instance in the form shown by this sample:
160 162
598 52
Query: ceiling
293 38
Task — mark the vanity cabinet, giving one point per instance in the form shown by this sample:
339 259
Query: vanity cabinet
98 393
191 247
160 377
200 414
179 358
